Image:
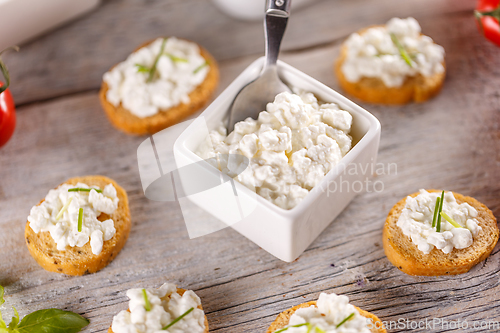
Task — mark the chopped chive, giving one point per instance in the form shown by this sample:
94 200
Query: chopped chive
345 319
142 68
401 49
438 222
80 219
176 58
319 330
153 69
199 68
81 189
298 325
61 212
449 219
147 306
177 319
436 208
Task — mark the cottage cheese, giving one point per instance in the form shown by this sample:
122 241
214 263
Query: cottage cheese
416 222
64 230
178 74
374 54
291 146
166 306
330 311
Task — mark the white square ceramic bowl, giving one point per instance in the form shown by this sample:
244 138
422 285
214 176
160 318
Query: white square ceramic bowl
283 233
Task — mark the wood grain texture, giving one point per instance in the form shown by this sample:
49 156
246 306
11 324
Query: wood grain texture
451 142
73 58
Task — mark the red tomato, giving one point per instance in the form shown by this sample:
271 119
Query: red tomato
7 116
488 17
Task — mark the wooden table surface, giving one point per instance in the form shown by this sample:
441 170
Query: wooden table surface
450 142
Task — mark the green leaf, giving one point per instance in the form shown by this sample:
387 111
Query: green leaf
52 321
436 208
401 49
4 70
142 68
152 72
438 222
345 319
199 68
177 319
176 58
298 325
451 220
15 320
1 296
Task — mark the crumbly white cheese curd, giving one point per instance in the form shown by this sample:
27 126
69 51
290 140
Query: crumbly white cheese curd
166 306
63 228
291 146
331 311
374 54
180 69
416 222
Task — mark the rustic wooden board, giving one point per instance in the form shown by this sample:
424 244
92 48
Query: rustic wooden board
73 58
450 142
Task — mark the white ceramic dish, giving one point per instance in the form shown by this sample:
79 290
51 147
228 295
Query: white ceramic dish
283 233
21 20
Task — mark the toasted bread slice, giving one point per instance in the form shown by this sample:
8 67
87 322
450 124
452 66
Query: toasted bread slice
81 260
180 292
284 318
417 88
129 123
405 255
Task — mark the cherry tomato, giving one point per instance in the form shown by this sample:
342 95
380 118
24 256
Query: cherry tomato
488 18
7 116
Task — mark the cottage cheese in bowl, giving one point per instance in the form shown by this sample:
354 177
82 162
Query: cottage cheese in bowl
60 211
291 146
374 53
417 216
153 310
180 68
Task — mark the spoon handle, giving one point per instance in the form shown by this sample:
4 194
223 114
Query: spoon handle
277 12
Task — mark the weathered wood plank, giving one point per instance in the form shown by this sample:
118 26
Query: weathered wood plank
74 58
450 142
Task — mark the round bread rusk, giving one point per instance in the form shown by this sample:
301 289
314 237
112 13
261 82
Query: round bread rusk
284 318
81 260
124 120
416 88
180 292
405 255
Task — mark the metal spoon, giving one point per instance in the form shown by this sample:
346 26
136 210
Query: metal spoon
254 97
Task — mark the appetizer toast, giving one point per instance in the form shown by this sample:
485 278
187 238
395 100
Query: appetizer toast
124 120
81 260
405 255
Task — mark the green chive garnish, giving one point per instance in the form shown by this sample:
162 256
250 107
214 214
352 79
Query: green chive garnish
61 212
319 330
80 219
199 68
401 49
176 58
438 223
147 306
142 68
153 69
298 325
345 319
449 219
436 208
81 189
177 319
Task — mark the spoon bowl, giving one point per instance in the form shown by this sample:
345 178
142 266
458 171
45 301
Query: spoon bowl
254 97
